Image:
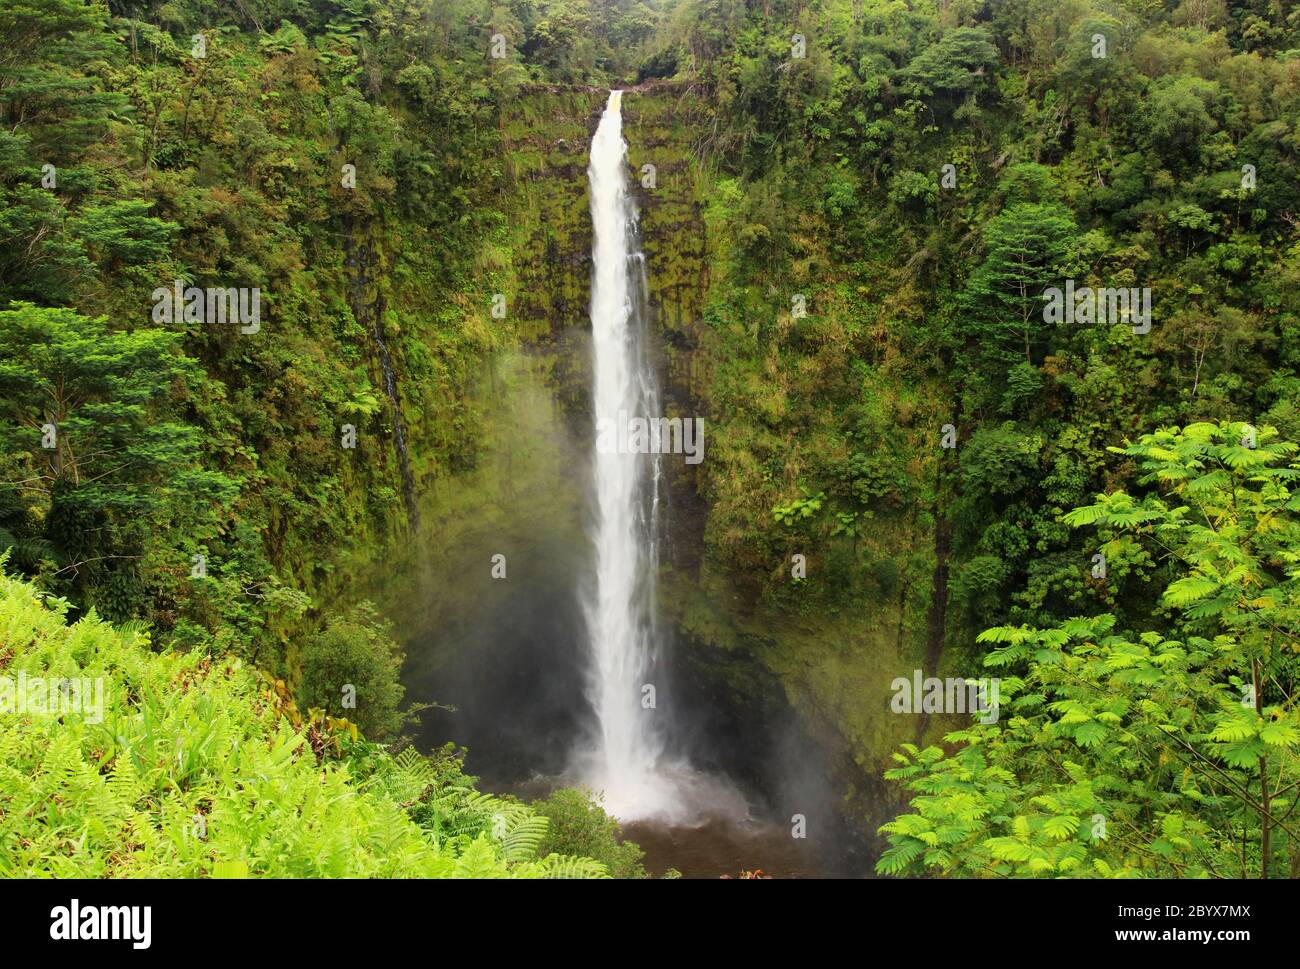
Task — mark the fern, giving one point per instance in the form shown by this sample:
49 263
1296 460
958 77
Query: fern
519 841
182 737
567 866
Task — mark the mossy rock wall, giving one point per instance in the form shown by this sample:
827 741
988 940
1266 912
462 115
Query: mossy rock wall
832 666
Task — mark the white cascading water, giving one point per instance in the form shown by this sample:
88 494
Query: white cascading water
625 758
627 744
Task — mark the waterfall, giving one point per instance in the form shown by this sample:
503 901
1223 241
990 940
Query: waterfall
627 744
625 758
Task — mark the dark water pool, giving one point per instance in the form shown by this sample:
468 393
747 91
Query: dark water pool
719 849
758 847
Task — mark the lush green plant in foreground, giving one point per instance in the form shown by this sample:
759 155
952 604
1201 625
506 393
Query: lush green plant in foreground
1126 754
578 825
188 771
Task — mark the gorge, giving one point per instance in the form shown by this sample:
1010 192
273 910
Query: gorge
435 523
591 696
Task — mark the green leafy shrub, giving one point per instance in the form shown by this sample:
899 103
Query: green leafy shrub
580 826
1130 755
354 657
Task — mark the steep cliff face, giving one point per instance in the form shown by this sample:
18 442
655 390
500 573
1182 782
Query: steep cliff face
547 134
760 653
782 679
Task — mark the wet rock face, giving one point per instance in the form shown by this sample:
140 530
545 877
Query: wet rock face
548 138
755 687
547 142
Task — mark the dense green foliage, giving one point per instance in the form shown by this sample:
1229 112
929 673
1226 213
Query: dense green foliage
224 170
860 206
924 302
350 659
1129 754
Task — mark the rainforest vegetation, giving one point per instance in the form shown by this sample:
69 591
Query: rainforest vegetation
856 210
